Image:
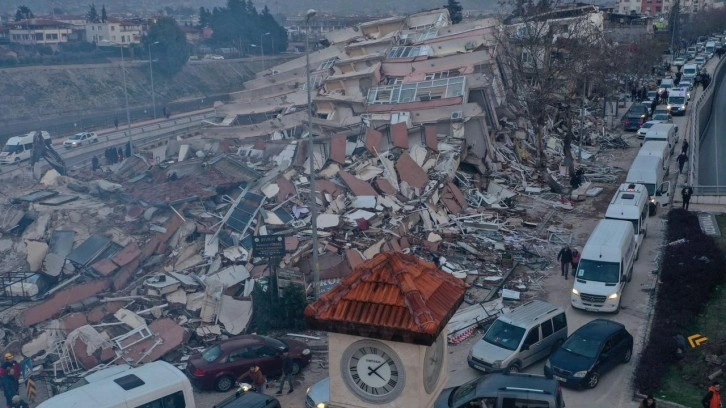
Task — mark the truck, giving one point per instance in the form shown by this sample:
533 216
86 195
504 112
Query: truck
19 148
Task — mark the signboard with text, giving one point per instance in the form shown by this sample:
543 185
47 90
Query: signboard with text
269 246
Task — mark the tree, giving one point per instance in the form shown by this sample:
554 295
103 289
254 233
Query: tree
204 17
241 25
551 55
104 16
272 312
172 50
23 13
92 15
455 11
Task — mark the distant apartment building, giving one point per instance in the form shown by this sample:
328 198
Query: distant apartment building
660 7
115 31
38 31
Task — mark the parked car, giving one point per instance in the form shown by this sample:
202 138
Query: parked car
647 125
503 390
249 400
679 62
700 60
591 351
318 394
635 117
218 366
662 117
688 86
80 139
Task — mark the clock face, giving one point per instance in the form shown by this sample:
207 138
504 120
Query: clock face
433 362
373 371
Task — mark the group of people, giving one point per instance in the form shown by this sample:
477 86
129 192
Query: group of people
255 376
10 372
568 257
116 155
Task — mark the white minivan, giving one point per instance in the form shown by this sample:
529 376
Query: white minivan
630 203
606 265
663 132
648 171
158 385
19 148
658 149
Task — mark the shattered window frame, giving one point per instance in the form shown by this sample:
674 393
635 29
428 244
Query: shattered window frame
417 91
443 74
429 34
315 80
327 64
408 52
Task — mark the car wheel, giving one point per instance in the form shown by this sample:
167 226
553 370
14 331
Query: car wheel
224 383
514 368
296 367
593 379
628 355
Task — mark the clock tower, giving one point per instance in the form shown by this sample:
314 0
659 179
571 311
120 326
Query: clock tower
387 332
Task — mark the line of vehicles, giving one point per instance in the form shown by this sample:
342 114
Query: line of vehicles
20 148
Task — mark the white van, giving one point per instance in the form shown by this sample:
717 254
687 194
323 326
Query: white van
630 203
664 132
658 149
648 171
606 265
19 148
158 384
520 338
677 101
689 72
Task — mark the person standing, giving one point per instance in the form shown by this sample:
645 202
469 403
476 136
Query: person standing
682 159
13 371
95 165
712 399
287 364
686 193
7 386
115 122
120 153
575 260
648 402
255 376
684 146
565 258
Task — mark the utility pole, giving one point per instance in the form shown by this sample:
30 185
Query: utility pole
311 160
126 97
151 71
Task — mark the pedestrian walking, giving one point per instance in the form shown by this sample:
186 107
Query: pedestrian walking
633 93
654 105
686 194
575 260
684 146
682 159
7 385
565 258
254 375
115 122
287 365
120 153
712 399
95 165
648 402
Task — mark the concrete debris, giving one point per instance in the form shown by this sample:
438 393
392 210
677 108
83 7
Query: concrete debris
153 251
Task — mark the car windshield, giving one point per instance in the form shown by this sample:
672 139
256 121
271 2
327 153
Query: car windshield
582 345
647 125
77 136
463 393
652 94
504 335
211 354
661 116
678 100
13 148
598 271
689 71
275 343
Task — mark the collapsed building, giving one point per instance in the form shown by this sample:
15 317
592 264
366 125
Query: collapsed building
413 151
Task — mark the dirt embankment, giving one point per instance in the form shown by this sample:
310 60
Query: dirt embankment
33 93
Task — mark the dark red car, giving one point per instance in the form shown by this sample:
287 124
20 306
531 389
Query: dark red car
218 366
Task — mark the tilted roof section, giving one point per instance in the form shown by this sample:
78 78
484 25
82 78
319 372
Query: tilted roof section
393 296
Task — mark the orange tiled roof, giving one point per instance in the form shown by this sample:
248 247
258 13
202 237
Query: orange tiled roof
393 296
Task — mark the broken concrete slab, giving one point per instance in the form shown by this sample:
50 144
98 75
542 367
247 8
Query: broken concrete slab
37 230
167 336
60 300
235 314
357 186
36 252
328 221
410 172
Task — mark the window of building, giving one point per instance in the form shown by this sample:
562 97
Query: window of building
394 80
327 64
38 36
408 52
417 91
443 74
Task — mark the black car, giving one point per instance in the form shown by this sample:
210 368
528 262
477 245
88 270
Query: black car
635 117
503 390
589 352
249 400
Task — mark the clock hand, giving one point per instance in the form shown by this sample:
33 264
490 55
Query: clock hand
372 371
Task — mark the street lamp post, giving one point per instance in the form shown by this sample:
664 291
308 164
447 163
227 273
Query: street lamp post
126 97
151 71
262 51
311 159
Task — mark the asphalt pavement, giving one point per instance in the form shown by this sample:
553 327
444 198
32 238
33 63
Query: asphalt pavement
712 150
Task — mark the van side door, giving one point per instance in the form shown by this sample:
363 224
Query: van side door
531 347
663 193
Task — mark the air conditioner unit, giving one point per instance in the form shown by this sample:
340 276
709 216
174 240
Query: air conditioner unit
457 115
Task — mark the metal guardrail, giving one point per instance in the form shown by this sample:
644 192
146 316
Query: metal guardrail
704 101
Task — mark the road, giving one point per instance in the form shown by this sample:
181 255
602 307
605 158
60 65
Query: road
712 151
